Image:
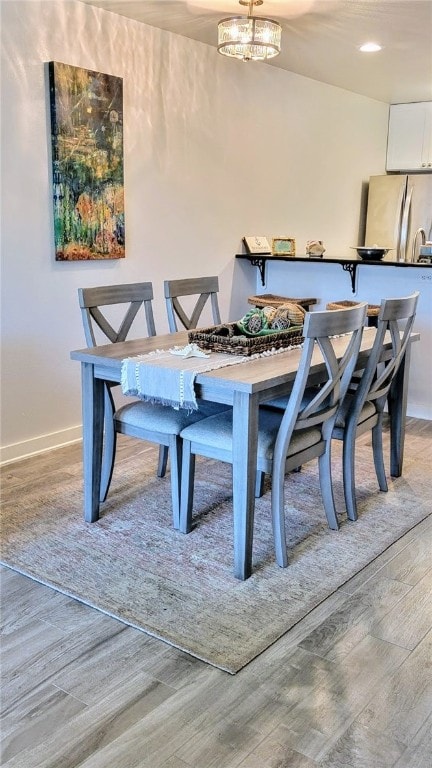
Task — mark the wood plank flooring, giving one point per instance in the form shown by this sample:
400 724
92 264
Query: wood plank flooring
349 687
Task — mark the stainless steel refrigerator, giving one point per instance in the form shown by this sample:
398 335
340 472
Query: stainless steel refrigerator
399 211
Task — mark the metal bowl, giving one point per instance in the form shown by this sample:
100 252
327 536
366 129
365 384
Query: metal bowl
372 254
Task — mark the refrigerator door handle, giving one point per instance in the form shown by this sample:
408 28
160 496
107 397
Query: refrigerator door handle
429 233
404 224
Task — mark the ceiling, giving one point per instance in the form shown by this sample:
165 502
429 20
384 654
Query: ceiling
320 38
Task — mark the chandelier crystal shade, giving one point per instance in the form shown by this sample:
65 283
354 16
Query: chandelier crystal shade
249 38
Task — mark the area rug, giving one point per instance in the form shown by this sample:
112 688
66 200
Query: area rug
132 565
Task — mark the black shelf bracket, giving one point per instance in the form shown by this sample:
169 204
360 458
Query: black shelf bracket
352 269
256 261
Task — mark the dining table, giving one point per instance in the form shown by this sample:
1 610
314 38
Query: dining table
243 386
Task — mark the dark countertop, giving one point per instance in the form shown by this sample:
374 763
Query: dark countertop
348 264
331 260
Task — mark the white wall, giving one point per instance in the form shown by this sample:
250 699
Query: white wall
214 149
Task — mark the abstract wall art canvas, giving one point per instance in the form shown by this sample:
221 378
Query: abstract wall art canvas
87 158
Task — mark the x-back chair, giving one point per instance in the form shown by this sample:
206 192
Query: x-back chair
204 288
363 407
287 439
94 303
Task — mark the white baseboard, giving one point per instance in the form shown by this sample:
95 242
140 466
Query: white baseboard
35 445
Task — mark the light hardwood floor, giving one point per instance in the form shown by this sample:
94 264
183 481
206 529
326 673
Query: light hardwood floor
349 687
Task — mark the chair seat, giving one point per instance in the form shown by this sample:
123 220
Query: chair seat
366 412
217 432
162 418
282 402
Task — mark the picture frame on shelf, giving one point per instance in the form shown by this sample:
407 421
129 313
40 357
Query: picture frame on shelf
256 244
283 246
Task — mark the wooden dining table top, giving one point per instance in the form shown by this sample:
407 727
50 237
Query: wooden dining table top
251 375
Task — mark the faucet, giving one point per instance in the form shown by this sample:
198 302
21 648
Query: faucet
421 232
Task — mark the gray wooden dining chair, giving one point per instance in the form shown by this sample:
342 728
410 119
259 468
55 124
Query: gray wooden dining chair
362 410
129 298
289 438
147 421
203 289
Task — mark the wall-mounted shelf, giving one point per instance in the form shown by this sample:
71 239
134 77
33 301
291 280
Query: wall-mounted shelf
348 265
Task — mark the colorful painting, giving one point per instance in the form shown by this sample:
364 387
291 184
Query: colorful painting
87 157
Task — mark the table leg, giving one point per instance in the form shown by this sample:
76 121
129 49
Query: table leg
397 406
245 430
93 413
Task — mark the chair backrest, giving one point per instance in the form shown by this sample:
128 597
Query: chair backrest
133 296
396 318
205 288
321 330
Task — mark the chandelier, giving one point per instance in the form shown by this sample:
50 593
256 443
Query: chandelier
249 38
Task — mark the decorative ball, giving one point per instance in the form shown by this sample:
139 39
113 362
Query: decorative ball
270 313
254 321
281 320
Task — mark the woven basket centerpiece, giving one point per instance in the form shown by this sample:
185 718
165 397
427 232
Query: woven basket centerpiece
372 309
273 300
260 330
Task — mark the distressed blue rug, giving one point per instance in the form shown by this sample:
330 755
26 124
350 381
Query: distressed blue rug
132 565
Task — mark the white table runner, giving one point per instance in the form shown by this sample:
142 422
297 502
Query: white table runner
165 378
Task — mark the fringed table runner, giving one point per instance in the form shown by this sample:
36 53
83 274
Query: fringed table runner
165 377
161 377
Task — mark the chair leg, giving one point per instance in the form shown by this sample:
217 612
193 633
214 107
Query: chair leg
259 484
176 451
325 477
109 445
278 515
378 455
162 461
187 488
348 461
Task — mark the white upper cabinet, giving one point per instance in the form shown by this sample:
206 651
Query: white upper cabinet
409 146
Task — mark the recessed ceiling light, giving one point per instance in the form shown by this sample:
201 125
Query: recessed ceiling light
370 47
